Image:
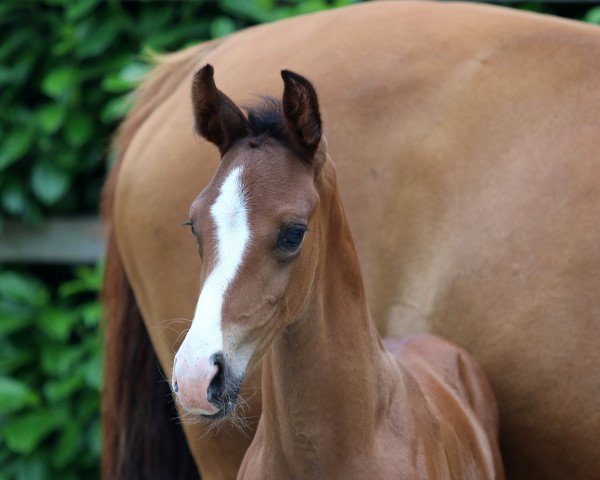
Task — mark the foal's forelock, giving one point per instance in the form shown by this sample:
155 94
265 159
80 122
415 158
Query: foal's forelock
229 213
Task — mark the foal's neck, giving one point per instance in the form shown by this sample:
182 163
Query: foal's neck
326 377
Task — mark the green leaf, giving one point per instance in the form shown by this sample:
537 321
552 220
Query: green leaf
173 37
343 3
14 316
79 129
19 70
33 214
22 289
92 276
92 313
22 434
68 446
593 16
14 200
88 280
14 146
49 184
15 395
14 42
99 69
58 390
532 7
80 8
59 81
116 108
6 75
155 20
14 357
127 79
93 371
57 322
95 438
29 468
73 287
57 360
222 26
67 41
5 9
95 37
68 160
12 323
51 117
310 6
88 406
248 10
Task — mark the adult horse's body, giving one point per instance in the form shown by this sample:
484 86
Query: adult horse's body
466 141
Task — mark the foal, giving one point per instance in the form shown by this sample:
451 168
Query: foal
282 283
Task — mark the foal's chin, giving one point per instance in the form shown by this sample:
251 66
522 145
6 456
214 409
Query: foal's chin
225 410
224 396
220 415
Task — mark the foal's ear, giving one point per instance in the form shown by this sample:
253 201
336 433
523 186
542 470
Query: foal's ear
218 119
301 112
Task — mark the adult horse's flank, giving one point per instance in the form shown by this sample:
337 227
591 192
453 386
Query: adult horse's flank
466 143
283 281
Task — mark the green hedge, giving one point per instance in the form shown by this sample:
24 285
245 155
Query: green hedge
67 68
50 376
66 72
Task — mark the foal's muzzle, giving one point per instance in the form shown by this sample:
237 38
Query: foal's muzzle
206 386
224 388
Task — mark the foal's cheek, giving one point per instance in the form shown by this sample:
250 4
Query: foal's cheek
299 283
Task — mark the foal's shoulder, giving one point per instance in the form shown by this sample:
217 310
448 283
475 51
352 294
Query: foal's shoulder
456 389
432 359
425 346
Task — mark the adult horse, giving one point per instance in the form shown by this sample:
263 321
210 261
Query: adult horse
466 141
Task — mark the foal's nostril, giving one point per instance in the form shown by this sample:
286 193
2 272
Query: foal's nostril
175 387
217 359
216 386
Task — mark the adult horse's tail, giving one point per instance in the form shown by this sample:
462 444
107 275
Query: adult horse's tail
141 438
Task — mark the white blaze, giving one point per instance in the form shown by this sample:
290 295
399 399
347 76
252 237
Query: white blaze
230 214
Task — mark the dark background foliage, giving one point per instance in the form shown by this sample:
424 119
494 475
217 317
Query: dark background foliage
66 72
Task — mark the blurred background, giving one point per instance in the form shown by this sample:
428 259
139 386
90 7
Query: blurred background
67 70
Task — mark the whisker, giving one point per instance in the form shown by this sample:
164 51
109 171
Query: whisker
167 323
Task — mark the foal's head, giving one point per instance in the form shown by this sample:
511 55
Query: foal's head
254 231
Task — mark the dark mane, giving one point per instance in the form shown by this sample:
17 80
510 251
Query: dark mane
265 119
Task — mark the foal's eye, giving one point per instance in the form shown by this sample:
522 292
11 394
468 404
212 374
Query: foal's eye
290 238
191 225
